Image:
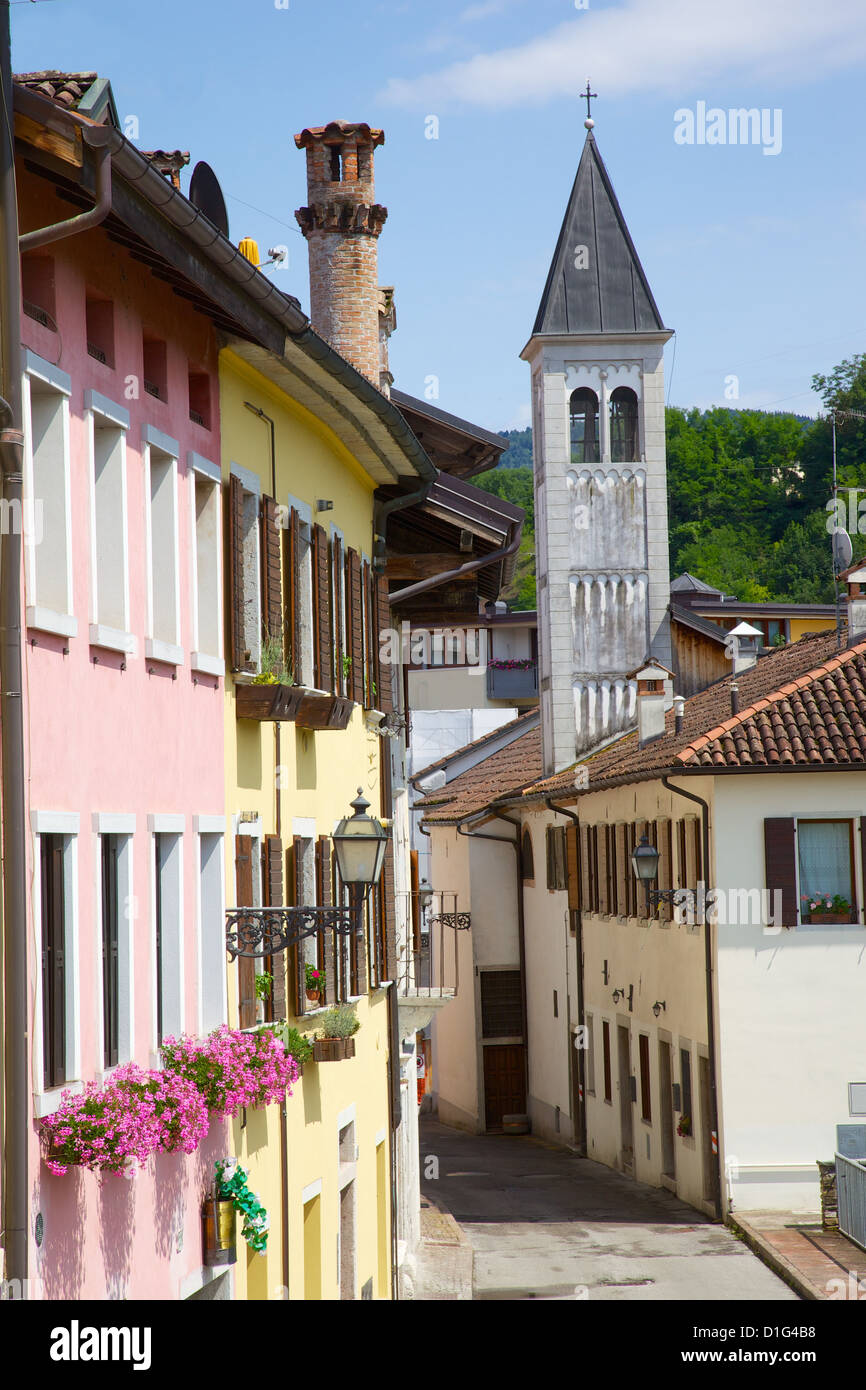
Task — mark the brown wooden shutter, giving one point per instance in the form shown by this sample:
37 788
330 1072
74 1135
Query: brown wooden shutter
584 869
338 602
239 653
390 913
385 677
273 895
292 605
666 865
572 874
296 957
550 856
632 832
355 626
369 644
780 860
416 902
593 861
327 952
244 898
322 614
605 1052
272 589
682 857
603 840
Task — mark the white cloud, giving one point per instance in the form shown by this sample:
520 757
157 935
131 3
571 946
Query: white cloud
665 46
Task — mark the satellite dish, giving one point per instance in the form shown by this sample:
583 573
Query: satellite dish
843 550
206 194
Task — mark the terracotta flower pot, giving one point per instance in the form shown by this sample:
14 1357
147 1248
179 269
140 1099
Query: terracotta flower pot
313 995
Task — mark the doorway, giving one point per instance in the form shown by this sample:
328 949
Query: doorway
625 1099
667 1109
504 1082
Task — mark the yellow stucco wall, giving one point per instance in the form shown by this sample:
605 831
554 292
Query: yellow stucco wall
314 775
800 626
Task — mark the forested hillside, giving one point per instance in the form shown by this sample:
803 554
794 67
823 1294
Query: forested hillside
747 493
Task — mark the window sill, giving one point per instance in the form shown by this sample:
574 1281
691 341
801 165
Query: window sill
46 620
47 1103
112 639
208 665
167 652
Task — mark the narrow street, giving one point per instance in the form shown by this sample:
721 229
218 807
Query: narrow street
544 1223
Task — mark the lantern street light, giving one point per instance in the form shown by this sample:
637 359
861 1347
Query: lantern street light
360 842
645 863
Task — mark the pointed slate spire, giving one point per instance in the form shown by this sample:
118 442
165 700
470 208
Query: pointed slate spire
609 293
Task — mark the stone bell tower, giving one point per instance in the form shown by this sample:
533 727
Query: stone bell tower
341 223
596 355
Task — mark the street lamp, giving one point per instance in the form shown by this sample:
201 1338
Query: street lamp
360 842
645 863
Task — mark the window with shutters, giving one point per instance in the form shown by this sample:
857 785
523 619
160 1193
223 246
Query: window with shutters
528 861
246 612
212 949
557 875
167 922
825 858
163 560
590 1055
109 548
110 904
605 1060
247 894
47 487
53 886
207 654
501 1004
298 620
612 871
645 1093
342 656
686 1087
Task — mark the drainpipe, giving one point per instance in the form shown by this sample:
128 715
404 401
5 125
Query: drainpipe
578 944
16 998
97 137
521 925
396 1117
469 568
711 1006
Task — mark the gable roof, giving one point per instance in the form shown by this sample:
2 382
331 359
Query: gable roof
511 730
503 773
686 582
611 294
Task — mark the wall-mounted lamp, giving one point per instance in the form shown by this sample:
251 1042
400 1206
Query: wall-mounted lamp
618 994
658 1006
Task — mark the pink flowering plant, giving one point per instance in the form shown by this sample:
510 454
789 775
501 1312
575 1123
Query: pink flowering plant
233 1069
135 1114
824 903
522 665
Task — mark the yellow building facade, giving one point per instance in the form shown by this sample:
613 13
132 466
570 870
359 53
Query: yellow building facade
322 1164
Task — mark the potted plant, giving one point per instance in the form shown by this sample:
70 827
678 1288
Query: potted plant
827 907
336 1040
315 983
272 693
684 1128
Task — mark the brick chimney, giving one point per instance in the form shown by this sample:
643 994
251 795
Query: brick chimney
341 223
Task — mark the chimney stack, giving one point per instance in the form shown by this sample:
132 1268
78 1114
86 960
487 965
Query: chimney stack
855 582
341 223
742 646
653 698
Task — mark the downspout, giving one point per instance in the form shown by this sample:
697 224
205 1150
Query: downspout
97 137
711 1006
521 926
16 1000
396 1117
470 567
578 945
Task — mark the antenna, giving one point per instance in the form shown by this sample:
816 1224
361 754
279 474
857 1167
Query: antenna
206 194
842 549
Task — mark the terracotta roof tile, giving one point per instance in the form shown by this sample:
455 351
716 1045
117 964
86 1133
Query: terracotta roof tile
502 774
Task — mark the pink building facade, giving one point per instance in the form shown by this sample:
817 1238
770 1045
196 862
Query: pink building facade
123 680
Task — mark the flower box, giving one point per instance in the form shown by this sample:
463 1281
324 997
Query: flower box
825 918
268 702
512 682
333 1049
320 710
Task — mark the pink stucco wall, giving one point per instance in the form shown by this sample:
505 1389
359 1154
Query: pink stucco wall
105 739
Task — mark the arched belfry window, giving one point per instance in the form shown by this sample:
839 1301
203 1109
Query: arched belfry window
528 863
583 420
623 425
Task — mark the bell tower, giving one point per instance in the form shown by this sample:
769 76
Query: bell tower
596 356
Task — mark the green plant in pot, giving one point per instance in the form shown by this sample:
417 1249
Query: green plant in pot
272 666
335 1039
315 982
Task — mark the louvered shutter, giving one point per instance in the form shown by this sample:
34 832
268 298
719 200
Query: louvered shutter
622 895
244 898
779 857
604 905
682 857
273 886
272 589
584 868
572 874
550 857
666 865
635 830
386 672
593 860
239 652
355 626
322 617
390 913
327 954
338 603
416 902
292 605
370 645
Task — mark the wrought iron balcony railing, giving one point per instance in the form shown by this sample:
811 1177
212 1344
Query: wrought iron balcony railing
430 962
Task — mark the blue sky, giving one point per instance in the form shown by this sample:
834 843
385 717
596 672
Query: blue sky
755 259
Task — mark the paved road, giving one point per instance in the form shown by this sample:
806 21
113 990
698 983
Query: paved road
546 1224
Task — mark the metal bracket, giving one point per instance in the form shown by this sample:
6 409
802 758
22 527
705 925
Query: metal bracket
266 931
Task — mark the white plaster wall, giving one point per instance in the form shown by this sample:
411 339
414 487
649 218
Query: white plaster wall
791 1004
453 1031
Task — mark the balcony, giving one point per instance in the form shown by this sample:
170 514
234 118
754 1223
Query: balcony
429 968
513 682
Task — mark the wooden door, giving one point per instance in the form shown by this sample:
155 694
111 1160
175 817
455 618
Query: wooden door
504 1082
625 1098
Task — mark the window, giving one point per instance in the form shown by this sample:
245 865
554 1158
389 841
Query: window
163 586
244 549
686 1079
212 949
99 318
155 368
54 972
645 1096
298 607
605 1058
557 875
583 424
501 1004
623 425
590 1055
47 494
114 860
110 945
199 398
109 550
207 567
826 862
528 861
167 921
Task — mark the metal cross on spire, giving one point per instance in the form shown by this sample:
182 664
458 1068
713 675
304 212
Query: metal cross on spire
588 96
